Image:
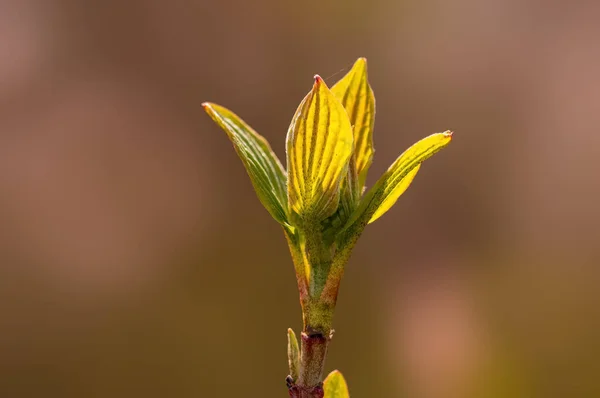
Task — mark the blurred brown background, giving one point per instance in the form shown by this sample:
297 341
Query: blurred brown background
136 261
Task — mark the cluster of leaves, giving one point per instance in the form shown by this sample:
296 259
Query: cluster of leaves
321 200
329 152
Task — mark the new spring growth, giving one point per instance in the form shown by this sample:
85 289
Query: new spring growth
321 200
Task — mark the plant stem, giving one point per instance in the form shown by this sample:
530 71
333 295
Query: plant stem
312 260
313 353
312 361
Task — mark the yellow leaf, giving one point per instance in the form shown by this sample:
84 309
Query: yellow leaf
265 171
335 386
356 95
398 177
319 146
391 199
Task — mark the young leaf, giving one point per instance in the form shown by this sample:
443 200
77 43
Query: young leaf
356 95
319 146
398 177
293 354
335 386
395 193
264 168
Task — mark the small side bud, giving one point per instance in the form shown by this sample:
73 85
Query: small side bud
293 354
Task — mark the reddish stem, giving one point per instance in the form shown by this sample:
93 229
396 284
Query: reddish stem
312 362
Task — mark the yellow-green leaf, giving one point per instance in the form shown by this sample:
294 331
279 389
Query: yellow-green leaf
264 168
356 95
395 193
293 354
319 146
335 386
398 177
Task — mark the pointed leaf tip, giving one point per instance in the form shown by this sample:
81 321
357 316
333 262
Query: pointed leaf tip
335 386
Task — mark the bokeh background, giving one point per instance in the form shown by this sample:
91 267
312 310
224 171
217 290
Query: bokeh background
136 261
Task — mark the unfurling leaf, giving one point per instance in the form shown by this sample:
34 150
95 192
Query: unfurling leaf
293 354
319 146
335 386
356 95
395 193
264 168
398 177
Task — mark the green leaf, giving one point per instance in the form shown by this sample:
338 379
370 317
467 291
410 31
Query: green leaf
398 177
293 354
264 168
395 193
356 95
335 386
319 146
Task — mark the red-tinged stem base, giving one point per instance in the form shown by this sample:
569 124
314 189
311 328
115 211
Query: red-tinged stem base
304 392
312 362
